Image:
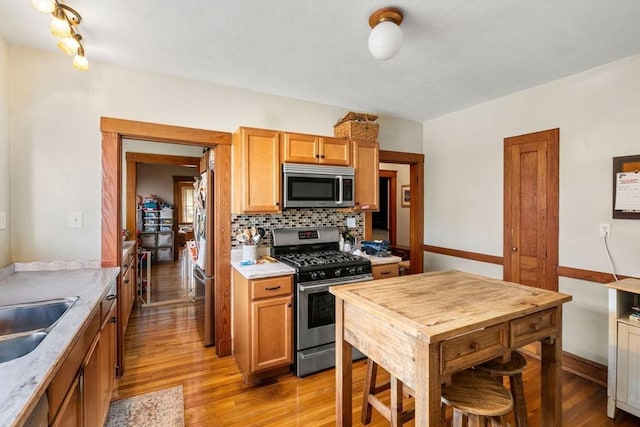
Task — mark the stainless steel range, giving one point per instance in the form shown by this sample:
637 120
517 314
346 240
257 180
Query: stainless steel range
314 253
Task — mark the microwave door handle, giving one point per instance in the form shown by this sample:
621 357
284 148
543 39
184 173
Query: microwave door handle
340 195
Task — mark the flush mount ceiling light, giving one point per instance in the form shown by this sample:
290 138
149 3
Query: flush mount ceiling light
65 18
385 39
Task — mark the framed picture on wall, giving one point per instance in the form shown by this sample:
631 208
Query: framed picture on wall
406 196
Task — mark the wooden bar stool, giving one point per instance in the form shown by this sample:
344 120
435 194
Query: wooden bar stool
479 398
472 395
512 369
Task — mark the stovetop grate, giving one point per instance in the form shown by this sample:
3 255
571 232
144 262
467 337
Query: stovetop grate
319 258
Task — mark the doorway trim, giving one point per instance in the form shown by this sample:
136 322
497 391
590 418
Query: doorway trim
113 130
416 213
392 177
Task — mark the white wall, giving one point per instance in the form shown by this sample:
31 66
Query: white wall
598 114
55 140
5 181
158 180
402 214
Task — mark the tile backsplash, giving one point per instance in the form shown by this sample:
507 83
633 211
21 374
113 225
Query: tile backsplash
294 218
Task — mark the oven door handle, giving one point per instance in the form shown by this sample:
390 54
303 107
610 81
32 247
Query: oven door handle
313 289
340 197
317 354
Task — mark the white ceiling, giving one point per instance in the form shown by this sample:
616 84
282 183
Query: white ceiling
456 53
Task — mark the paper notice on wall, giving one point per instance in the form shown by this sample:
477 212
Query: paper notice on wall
628 192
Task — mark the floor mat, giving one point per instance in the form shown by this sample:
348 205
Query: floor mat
162 408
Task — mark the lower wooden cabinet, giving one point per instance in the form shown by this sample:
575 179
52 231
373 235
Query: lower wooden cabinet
70 411
127 292
384 271
90 380
80 393
263 325
107 350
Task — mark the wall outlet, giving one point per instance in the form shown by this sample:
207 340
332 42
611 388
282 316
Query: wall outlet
605 229
351 223
74 220
3 220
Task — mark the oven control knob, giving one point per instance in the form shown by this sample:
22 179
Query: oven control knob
338 271
360 269
321 274
314 275
352 270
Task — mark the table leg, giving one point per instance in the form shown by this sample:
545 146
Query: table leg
344 396
428 385
551 389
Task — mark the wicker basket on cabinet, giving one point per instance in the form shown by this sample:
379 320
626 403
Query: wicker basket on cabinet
358 126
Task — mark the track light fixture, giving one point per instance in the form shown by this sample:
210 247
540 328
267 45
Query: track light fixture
65 18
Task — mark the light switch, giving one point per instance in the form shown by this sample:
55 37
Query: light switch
74 220
3 220
351 223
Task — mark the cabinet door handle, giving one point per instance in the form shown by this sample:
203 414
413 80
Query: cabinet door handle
126 281
113 319
289 305
272 289
111 297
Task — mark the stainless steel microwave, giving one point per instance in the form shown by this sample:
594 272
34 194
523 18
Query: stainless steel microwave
317 186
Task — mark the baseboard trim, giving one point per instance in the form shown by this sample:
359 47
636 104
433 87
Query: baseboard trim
584 368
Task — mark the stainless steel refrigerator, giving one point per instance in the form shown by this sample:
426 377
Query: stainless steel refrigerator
204 266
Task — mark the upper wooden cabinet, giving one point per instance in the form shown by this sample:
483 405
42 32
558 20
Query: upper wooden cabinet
256 170
301 148
365 162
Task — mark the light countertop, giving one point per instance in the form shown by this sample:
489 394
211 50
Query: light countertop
259 271
25 379
267 269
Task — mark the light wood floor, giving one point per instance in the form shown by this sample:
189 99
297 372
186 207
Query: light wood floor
167 281
162 349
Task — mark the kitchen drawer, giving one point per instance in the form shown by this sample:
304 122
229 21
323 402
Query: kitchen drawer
127 260
271 287
476 347
384 271
532 328
107 301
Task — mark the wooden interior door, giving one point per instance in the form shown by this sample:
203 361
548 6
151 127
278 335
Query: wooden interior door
531 209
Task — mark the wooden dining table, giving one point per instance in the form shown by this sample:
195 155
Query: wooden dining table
424 327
